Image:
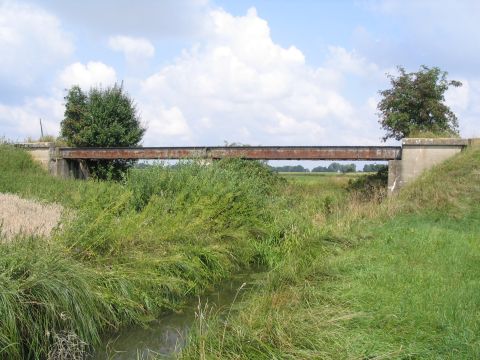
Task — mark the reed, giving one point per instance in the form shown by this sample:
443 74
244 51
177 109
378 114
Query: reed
129 251
391 280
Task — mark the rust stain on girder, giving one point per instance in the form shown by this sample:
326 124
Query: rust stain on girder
247 152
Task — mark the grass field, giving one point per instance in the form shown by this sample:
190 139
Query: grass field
345 279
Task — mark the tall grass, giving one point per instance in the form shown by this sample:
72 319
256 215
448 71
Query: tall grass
130 250
394 280
44 294
347 278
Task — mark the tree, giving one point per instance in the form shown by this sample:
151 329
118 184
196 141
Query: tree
373 167
289 168
102 118
336 167
320 169
415 104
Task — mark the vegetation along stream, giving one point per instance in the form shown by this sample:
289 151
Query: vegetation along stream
167 335
346 273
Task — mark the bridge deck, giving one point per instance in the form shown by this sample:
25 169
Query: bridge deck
245 152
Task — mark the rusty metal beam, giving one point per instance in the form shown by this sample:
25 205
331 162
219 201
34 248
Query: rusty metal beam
245 152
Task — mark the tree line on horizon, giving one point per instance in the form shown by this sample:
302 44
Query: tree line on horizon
334 167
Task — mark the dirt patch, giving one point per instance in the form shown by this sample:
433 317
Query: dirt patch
27 217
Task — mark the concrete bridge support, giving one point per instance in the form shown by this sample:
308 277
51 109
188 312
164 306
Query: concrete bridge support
419 155
51 160
69 169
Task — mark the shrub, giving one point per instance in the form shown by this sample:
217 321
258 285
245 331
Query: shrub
102 118
370 186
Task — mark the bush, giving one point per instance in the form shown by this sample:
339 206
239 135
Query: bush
102 118
370 186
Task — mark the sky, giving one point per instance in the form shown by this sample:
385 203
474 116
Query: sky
206 72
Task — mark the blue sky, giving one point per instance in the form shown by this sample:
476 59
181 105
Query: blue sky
256 72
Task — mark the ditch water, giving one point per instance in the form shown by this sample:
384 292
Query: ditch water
166 336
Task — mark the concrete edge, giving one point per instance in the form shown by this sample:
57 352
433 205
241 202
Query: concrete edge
474 142
38 145
434 142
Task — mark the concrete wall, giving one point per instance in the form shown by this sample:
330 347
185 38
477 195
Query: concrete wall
394 175
67 169
39 151
419 155
46 154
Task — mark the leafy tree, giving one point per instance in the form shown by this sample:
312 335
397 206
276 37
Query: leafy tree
370 187
102 118
347 168
289 168
373 167
320 169
335 167
415 104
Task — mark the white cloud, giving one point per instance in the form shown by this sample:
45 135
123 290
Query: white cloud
291 127
236 84
459 97
238 79
350 62
165 18
22 121
166 123
135 49
94 73
465 103
18 122
31 41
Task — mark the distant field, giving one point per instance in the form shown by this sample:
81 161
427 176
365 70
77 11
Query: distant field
319 177
321 174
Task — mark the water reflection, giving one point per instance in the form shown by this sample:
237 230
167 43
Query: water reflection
166 336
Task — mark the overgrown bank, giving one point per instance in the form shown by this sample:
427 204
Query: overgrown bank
127 252
348 278
367 281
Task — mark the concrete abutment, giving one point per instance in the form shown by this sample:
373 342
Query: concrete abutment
420 155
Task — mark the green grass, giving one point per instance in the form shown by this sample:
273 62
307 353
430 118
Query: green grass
128 252
346 279
315 177
397 280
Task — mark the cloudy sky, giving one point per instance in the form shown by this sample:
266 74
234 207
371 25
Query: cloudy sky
256 72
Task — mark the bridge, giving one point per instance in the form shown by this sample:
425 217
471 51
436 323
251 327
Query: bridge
405 162
374 153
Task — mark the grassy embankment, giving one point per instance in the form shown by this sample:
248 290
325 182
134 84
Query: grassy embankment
396 280
127 252
348 280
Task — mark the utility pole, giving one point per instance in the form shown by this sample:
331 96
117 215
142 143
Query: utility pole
41 127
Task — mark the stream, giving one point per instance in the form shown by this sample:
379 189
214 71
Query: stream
166 336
